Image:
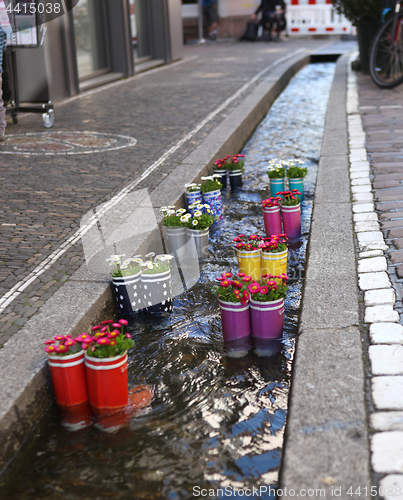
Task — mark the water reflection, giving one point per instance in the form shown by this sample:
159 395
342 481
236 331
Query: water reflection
216 420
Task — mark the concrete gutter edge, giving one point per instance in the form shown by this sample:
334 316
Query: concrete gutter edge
24 376
326 440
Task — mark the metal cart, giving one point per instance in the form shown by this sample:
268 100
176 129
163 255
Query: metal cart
21 19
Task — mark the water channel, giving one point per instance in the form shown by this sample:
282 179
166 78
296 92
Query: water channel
215 421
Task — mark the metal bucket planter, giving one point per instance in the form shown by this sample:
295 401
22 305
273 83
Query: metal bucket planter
177 239
267 319
291 217
274 263
68 379
223 177
198 243
272 220
249 263
157 292
235 179
235 320
213 198
194 197
107 383
276 185
127 292
297 184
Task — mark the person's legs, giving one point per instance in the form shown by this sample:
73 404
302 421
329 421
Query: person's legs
270 16
278 19
2 111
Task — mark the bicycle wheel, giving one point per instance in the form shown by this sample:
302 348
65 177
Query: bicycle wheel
386 57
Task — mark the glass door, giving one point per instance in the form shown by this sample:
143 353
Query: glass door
91 38
139 17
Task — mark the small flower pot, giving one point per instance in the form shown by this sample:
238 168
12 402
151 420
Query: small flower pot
235 320
177 239
223 177
107 383
127 292
198 243
249 263
274 263
235 179
157 292
291 217
267 319
213 198
272 220
68 379
276 185
297 184
194 197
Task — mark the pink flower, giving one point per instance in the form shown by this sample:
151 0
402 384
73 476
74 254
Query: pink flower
107 322
112 342
272 285
98 327
50 348
93 348
220 278
241 275
60 338
105 329
116 325
254 288
85 346
227 275
247 279
123 322
237 239
264 290
236 284
48 342
103 341
84 337
128 335
62 348
113 334
70 343
240 245
225 283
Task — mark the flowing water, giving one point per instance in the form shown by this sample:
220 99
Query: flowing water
215 422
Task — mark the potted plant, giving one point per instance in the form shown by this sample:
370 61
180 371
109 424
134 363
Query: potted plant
248 254
193 194
220 168
274 255
267 307
126 283
233 299
106 367
296 174
366 15
198 229
271 215
156 284
175 226
276 174
236 167
291 214
211 189
66 365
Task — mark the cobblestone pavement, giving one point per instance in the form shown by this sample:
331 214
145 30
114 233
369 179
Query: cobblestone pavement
377 190
44 197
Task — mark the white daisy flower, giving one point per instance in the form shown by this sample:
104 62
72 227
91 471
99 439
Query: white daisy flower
200 206
181 210
124 267
150 266
195 222
151 254
168 257
171 212
198 213
206 205
184 218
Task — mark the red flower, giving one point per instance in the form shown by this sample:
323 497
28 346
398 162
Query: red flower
264 290
113 334
123 322
247 279
60 338
107 322
103 341
241 275
236 284
227 275
61 348
240 245
112 342
50 348
237 239
225 283
48 342
70 343
98 327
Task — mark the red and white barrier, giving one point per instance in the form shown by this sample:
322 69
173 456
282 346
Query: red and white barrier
315 17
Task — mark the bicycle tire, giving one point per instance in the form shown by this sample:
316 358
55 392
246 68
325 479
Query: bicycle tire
386 59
